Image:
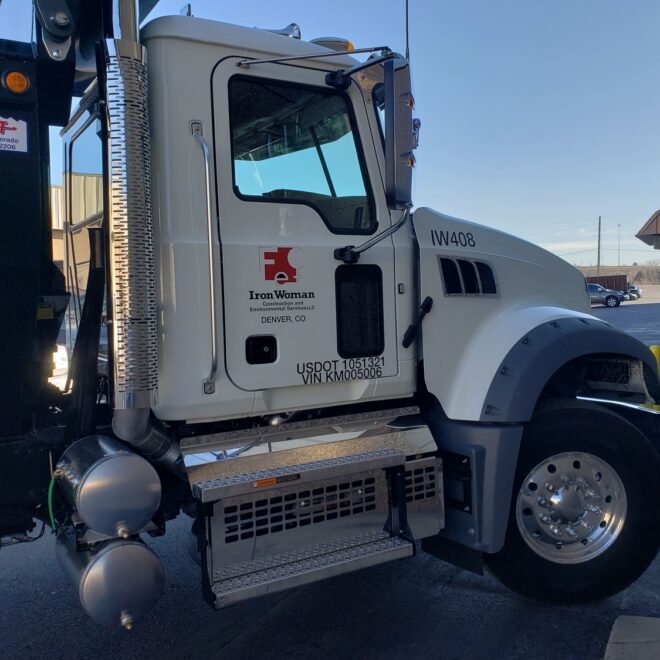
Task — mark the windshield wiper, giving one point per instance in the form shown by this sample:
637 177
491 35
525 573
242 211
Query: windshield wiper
324 164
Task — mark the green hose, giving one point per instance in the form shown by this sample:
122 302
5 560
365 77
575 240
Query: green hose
51 488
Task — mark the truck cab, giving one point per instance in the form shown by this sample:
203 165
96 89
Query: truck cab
269 338
295 170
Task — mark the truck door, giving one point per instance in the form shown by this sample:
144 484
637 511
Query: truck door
296 179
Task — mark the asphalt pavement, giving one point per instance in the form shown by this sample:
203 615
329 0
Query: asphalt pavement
641 318
416 608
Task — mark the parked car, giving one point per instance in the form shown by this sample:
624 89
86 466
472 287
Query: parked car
635 291
603 296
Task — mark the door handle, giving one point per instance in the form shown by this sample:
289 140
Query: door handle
209 381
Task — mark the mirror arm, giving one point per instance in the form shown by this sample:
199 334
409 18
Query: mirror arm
342 79
351 254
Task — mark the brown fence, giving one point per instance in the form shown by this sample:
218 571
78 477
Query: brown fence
616 282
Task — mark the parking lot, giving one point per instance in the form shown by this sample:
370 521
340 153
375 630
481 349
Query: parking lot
416 608
640 318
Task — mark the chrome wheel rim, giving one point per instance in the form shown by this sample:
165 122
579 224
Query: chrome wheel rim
571 507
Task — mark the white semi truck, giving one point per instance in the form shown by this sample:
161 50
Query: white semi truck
268 339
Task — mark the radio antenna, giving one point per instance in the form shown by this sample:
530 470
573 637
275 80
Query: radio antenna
407 34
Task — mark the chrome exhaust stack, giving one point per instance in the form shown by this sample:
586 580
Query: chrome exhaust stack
132 276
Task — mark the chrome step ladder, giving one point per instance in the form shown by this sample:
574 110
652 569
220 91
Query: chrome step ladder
330 498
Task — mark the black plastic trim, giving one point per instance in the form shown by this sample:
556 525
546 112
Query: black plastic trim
536 357
377 275
492 452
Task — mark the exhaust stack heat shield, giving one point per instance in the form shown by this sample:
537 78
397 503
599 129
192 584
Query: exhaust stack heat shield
131 239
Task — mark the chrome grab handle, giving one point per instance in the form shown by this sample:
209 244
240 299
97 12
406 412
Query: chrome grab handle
209 382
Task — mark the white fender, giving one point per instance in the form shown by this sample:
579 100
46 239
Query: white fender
465 337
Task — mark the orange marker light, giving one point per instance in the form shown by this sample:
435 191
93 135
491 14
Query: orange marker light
16 82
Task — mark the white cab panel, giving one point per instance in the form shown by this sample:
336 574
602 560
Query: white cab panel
183 65
466 337
278 258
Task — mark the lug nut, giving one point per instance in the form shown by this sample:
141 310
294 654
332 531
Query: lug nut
60 19
126 621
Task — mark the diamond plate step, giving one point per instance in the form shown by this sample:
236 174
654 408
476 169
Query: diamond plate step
266 471
313 569
362 422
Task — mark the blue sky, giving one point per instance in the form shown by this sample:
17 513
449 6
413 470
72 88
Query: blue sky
537 116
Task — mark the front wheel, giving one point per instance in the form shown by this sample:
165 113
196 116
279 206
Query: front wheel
583 523
612 301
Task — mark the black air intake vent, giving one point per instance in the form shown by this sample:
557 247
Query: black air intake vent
465 277
360 324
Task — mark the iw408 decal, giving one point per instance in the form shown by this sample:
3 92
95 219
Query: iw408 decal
456 238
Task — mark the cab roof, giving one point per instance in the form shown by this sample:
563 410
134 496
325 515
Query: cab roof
247 41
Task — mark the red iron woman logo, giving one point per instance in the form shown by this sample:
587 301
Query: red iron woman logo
277 267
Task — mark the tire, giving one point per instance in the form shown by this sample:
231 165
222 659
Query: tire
598 442
612 301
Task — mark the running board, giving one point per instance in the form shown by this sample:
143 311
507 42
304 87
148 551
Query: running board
231 444
312 569
312 500
309 464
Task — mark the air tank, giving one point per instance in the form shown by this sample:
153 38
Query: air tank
115 491
117 583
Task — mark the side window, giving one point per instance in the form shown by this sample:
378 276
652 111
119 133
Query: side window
84 211
84 197
378 96
297 144
86 175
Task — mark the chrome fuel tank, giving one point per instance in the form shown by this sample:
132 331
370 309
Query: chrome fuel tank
117 583
115 491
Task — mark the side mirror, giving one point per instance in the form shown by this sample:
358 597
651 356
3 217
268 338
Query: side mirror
400 134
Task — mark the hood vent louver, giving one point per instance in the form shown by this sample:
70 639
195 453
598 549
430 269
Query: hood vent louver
467 277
